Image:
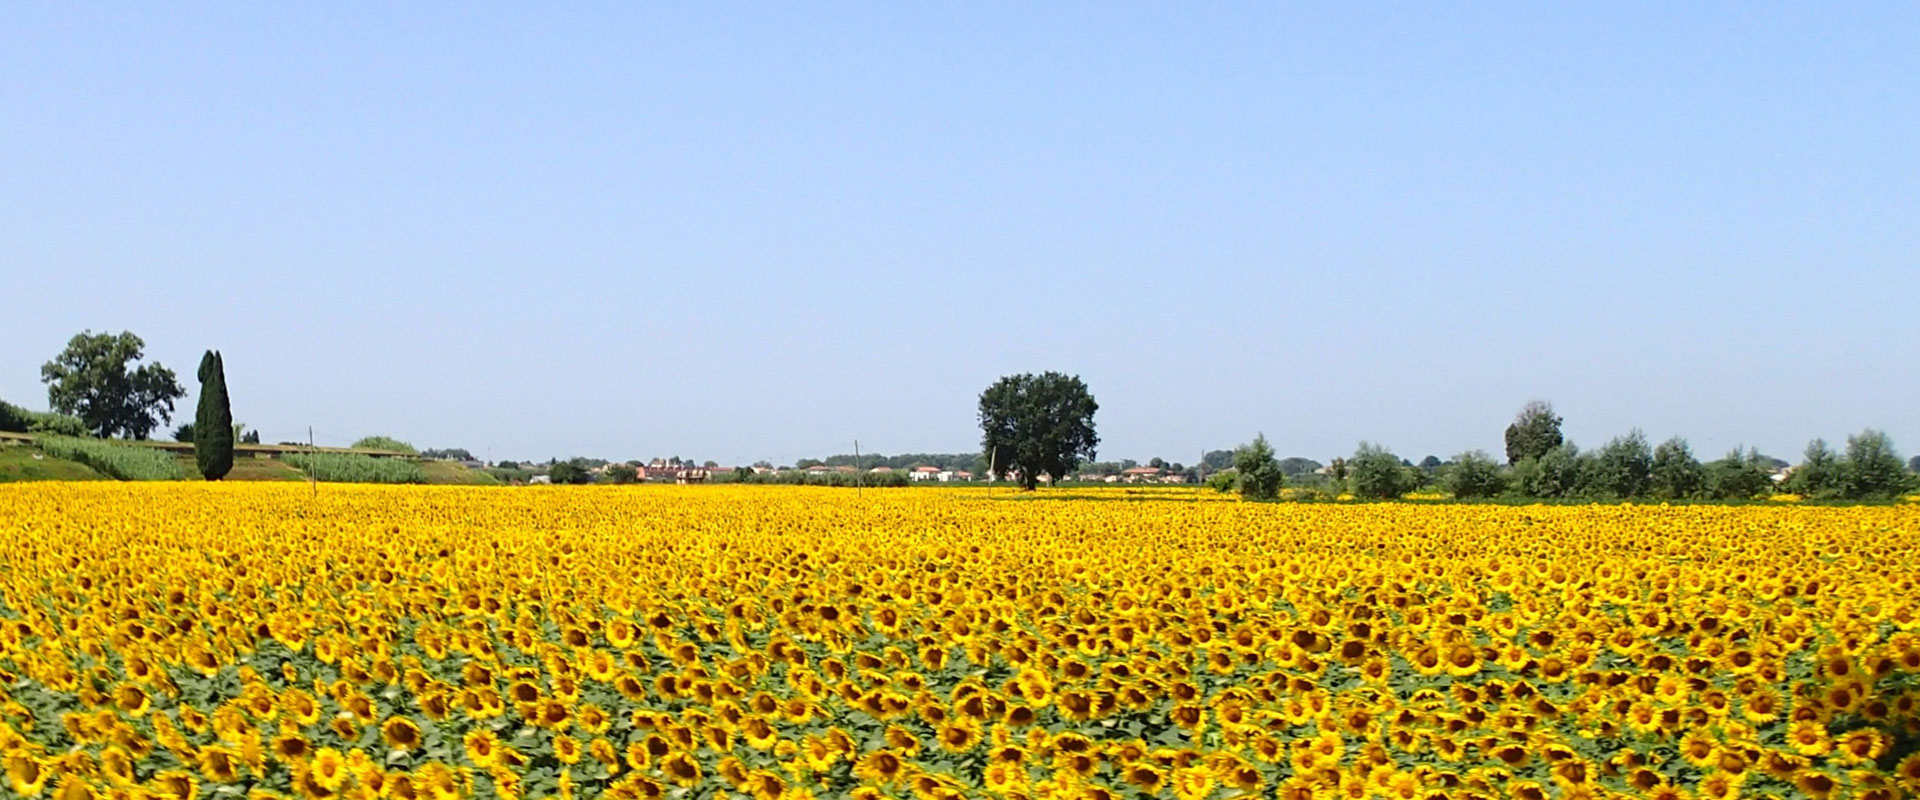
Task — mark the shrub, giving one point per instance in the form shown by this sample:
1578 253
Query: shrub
384 443
1260 475
357 468
572 472
1872 469
1742 475
1675 474
1376 473
14 419
1474 475
1224 482
1555 474
125 462
1622 468
1819 474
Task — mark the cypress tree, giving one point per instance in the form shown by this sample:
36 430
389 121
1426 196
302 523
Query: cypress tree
213 421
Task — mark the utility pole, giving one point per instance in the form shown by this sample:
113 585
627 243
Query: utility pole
313 464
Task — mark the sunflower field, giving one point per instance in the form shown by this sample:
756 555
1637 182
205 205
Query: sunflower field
198 640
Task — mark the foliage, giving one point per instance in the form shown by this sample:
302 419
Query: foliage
1621 469
356 468
1474 475
387 443
1259 472
1037 424
452 643
448 454
1820 474
213 428
121 461
1675 474
183 433
1224 481
1555 474
1741 475
1295 466
571 471
1534 431
93 379
1376 473
14 419
1872 468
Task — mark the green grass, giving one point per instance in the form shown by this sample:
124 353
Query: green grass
23 463
454 473
125 462
353 468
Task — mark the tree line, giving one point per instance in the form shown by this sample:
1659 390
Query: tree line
1541 463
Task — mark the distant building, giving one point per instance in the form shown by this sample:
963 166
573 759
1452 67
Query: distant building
1142 474
927 473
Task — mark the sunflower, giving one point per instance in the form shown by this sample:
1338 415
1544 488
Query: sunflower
175 784
881 767
482 748
958 738
681 769
219 764
400 733
291 747
26 774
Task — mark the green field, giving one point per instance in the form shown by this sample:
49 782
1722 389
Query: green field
19 463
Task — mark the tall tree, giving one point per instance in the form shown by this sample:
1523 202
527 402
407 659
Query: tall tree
213 420
1535 430
1872 468
1033 424
1260 475
94 379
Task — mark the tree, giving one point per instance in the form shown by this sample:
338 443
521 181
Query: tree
1819 473
1675 473
1913 464
1260 475
1872 468
1535 430
94 379
1216 460
384 443
184 433
251 437
1623 467
1431 463
213 432
1033 424
1378 473
1742 475
571 471
1295 466
1555 473
1474 475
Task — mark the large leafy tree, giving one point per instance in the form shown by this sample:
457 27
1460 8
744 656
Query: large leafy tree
1035 424
1260 475
213 420
1535 430
97 380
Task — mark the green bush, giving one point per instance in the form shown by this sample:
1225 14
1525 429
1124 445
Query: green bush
1223 482
1377 474
1474 475
385 443
14 419
1260 475
357 468
125 462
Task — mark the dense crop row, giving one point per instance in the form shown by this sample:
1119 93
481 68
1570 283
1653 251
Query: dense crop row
356 468
123 461
209 640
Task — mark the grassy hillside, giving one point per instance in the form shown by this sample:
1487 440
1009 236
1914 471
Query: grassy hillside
18 463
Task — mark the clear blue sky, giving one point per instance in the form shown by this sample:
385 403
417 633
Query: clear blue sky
759 231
